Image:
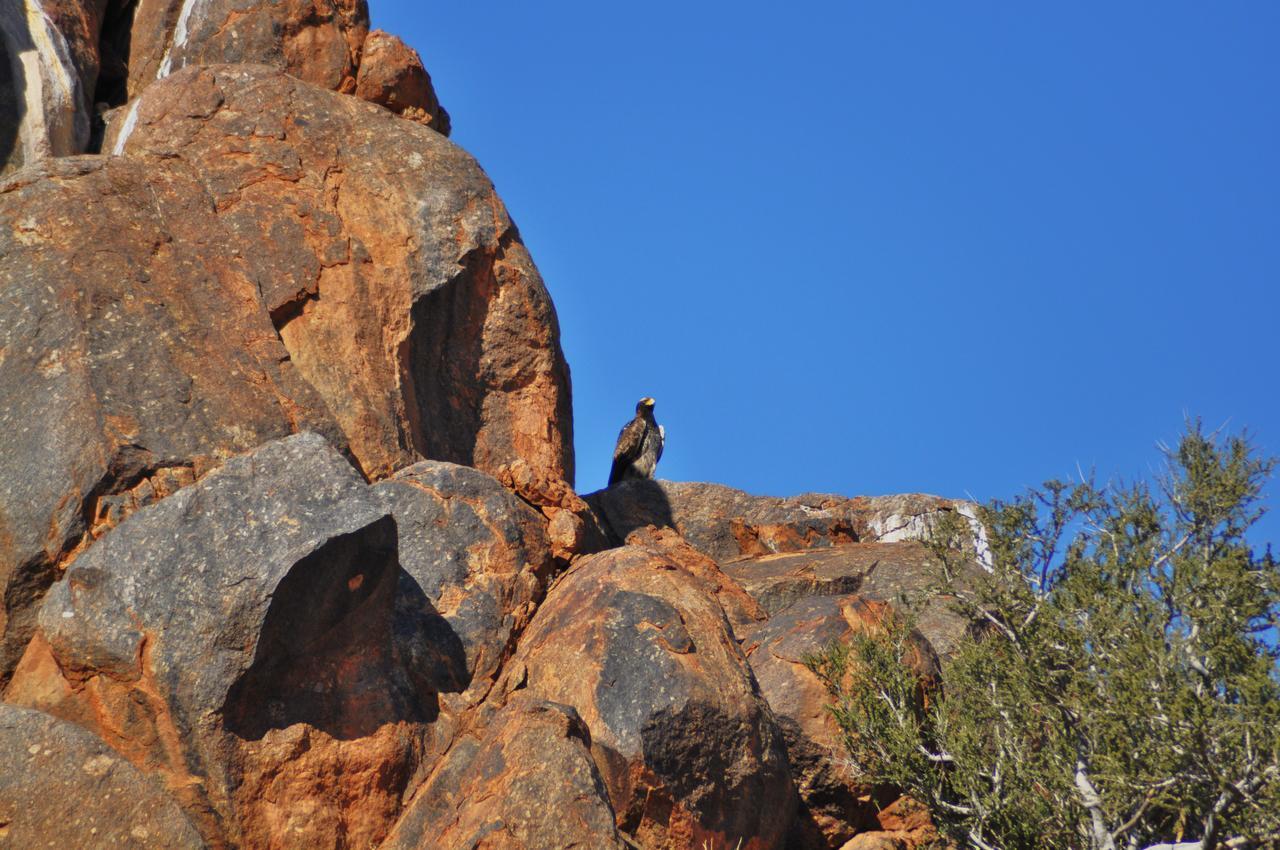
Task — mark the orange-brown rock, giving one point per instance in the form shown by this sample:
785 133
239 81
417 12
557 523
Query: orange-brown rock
834 805
235 639
62 787
720 521
888 572
392 75
687 748
314 40
572 527
728 524
135 357
523 780
739 606
878 840
397 281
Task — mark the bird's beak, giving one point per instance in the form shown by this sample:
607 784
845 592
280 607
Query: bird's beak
648 402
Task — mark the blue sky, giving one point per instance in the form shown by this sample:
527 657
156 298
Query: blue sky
903 246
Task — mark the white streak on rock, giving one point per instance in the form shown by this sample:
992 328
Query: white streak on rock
179 40
981 545
130 119
53 123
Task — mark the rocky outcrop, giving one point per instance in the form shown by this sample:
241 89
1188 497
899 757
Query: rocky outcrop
397 281
136 358
236 640
728 524
391 75
687 748
314 40
887 572
251 272
60 786
834 806
290 553
523 780
70 60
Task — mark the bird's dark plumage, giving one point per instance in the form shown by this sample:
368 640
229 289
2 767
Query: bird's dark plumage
639 446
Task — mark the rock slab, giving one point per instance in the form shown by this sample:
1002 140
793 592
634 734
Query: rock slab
60 786
236 640
688 749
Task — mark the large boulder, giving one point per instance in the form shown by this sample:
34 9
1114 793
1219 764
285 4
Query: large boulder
523 780
391 270
135 358
688 749
62 787
475 563
236 639
728 524
275 258
834 806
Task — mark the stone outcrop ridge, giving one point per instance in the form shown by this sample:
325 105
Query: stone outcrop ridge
290 552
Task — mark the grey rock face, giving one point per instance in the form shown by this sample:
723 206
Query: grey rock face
476 563
43 108
210 630
60 786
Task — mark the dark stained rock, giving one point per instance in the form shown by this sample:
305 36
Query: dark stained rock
688 749
135 357
62 787
236 639
314 40
833 805
391 75
475 564
888 572
524 780
395 277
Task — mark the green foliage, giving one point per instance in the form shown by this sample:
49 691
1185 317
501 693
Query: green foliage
1121 687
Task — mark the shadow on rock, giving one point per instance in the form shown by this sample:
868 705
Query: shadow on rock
430 651
15 38
326 654
630 505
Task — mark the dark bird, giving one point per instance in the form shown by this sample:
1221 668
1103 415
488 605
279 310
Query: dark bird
639 445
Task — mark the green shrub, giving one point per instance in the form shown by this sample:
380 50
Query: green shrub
1121 687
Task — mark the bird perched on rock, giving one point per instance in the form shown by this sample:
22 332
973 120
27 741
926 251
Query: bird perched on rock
639 445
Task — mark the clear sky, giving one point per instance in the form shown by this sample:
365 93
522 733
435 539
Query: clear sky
884 247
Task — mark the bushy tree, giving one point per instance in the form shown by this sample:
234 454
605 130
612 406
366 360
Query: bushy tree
1120 688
